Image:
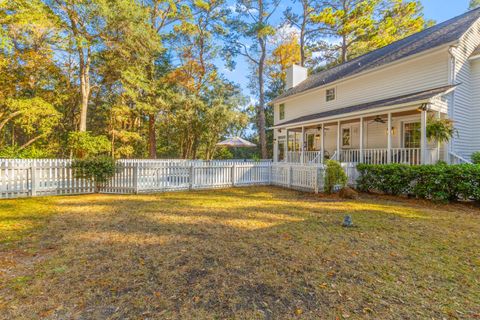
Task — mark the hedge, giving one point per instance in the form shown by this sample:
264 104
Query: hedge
438 182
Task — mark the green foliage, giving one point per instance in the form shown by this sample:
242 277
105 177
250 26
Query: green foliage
362 26
96 169
476 157
438 182
334 175
474 4
84 144
440 130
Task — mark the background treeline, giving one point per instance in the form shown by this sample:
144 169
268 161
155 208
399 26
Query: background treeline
143 78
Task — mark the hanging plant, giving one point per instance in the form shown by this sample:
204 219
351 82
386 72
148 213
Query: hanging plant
440 130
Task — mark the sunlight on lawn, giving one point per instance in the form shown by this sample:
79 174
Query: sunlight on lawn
237 253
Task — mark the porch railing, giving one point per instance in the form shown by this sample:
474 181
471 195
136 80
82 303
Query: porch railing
411 156
406 155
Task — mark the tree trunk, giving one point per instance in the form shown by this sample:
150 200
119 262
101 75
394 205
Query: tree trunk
344 50
261 101
302 33
84 87
152 137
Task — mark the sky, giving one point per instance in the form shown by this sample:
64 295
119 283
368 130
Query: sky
437 10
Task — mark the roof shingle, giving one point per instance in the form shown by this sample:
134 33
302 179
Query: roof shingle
438 35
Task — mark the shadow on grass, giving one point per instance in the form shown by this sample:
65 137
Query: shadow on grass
245 253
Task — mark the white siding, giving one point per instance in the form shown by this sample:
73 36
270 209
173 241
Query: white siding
425 72
475 103
463 112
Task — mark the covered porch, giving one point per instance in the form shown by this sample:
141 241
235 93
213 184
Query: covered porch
393 134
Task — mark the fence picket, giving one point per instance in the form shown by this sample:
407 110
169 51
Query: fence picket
20 178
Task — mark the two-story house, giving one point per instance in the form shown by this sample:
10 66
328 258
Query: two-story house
375 108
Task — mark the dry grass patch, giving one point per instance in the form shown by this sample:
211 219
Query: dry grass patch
239 253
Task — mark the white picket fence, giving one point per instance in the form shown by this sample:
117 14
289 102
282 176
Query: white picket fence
24 178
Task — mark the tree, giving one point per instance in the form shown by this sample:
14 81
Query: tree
35 118
250 28
474 4
308 31
83 23
163 14
287 51
356 27
30 81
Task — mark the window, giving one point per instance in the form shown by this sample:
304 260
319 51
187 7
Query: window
311 142
294 141
411 135
281 112
281 148
330 94
346 137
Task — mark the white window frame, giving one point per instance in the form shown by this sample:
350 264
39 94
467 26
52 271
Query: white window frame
403 131
334 94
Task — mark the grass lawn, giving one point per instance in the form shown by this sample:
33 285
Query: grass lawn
246 253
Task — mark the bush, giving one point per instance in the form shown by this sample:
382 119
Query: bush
435 182
476 157
334 175
98 170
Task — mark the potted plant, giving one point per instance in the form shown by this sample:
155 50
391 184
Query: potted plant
440 130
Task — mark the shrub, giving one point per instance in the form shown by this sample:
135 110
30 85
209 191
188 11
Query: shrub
435 182
476 157
97 169
334 175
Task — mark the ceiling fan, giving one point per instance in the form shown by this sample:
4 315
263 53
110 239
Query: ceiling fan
379 119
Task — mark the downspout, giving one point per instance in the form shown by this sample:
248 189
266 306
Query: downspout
452 73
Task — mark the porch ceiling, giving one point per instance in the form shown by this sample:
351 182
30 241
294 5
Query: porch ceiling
413 98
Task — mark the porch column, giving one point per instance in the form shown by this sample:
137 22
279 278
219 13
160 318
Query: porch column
423 137
338 141
361 140
389 137
302 146
439 116
322 143
286 147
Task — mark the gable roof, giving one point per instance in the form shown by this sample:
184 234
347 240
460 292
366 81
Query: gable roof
438 35
407 98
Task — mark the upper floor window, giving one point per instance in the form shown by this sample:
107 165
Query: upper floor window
281 111
330 94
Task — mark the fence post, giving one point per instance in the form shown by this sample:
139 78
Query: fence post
289 176
190 175
270 174
232 175
135 178
33 170
316 179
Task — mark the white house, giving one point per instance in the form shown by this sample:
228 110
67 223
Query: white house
375 108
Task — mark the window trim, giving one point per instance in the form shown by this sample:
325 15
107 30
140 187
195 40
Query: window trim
334 94
404 131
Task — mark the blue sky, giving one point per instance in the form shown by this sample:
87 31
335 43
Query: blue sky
438 10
